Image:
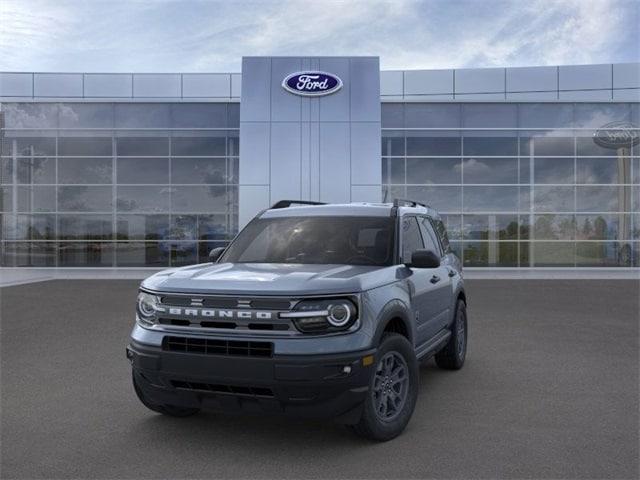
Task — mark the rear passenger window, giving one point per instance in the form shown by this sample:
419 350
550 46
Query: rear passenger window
411 238
429 236
442 233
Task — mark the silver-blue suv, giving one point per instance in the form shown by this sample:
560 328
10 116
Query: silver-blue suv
314 310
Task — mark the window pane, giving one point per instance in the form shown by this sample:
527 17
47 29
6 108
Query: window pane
85 146
213 227
485 115
199 170
198 146
199 115
141 255
490 199
545 115
36 170
6 170
604 227
35 227
37 254
490 170
603 254
36 199
488 146
392 115
603 170
29 146
30 115
598 114
142 115
553 170
86 115
553 254
181 253
142 227
490 254
183 227
143 170
490 227
547 146
411 238
143 199
423 115
553 199
85 199
6 199
443 199
85 254
233 115
143 146
554 227
603 199
432 146
453 224
392 143
85 170
393 170
434 170
200 199
85 227
587 146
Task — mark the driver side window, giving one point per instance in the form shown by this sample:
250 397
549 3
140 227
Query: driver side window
411 238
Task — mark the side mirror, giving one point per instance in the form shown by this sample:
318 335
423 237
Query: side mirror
424 259
215 254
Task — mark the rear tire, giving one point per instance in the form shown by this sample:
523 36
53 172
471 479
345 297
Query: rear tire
393 390
452 356
169 410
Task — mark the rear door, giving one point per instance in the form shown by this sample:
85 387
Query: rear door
441 281
423 291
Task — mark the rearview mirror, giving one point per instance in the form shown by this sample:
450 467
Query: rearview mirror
424 259
215 254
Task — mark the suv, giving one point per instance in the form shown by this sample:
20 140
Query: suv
314 310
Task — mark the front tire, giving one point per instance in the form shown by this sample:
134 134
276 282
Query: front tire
393 390
452 356
169 410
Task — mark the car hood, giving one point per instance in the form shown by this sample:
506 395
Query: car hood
270 279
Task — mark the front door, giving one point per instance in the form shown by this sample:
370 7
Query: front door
423 284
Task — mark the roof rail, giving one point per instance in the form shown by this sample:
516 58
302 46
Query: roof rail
288 203
401 202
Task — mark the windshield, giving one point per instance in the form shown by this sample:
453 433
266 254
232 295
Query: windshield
341 240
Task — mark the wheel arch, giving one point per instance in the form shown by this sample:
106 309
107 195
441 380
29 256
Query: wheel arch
394 317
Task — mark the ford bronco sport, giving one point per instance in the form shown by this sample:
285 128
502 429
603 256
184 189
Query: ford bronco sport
314 310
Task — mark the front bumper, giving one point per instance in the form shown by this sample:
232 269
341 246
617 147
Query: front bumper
317 386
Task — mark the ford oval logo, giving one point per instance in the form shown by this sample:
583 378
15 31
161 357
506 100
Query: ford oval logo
312 84
617 135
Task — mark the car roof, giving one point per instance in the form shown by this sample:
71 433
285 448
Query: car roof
356 209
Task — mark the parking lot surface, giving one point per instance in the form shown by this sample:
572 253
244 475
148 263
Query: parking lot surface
549 390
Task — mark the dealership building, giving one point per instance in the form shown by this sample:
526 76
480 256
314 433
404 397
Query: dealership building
529 167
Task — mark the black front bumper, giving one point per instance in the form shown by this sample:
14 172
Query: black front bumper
316 386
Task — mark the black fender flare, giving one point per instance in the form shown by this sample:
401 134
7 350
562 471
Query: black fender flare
394 309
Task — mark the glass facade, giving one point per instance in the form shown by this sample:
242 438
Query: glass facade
520 185
117 184
156 184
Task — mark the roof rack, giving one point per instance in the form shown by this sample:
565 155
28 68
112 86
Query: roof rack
288 203
401 202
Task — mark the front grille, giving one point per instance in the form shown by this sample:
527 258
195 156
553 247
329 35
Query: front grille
228 389
208 346
265 325
227 302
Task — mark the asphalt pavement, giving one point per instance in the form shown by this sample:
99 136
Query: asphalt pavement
549 390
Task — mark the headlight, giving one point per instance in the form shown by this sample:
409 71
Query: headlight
323 316
146 308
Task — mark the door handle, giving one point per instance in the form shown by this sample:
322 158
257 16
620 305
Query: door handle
435 279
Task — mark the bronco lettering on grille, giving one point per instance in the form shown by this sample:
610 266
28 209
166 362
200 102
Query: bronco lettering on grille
215 313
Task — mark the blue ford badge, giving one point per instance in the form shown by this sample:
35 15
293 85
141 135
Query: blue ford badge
312 84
